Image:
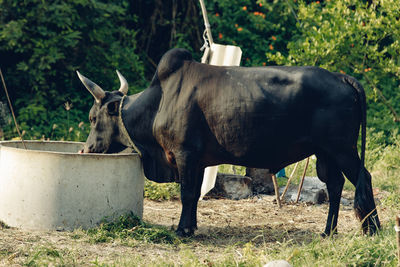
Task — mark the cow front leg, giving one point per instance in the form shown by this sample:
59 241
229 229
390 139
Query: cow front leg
191 177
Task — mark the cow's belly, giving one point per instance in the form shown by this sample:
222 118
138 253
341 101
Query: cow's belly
242 135
269 151
274 141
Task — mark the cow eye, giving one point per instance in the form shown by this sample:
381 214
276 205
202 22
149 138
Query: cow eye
92 119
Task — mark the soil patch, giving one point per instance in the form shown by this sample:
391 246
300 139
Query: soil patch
222 224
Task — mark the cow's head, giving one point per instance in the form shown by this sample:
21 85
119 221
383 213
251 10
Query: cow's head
105 135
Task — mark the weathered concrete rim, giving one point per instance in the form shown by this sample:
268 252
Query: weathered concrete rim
50 186
5 145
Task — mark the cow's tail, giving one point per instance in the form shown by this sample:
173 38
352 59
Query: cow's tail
363 108
364 204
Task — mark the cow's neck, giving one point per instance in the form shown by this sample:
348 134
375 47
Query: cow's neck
124 130
138 112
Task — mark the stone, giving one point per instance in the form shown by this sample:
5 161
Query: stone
313 191
346 202
231 186
261 180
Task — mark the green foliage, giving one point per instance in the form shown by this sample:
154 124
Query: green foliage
131 227
225 168
42 44
161 191
356 38
256 26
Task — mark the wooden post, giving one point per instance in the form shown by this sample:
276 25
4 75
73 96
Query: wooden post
276 188
302 180
288 182
397 229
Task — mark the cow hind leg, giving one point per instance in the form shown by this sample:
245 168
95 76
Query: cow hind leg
191 177
364 204
329 172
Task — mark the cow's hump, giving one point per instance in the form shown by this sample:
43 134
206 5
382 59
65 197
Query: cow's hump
172 61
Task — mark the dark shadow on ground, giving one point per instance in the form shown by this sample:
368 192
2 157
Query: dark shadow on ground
257 235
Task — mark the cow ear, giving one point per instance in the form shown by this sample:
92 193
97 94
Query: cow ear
113 108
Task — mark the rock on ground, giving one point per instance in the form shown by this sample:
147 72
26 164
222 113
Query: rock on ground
259 181
313 191
231 186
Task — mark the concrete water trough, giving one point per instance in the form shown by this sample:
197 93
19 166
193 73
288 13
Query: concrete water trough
49 186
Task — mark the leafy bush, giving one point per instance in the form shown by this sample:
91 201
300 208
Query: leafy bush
42 44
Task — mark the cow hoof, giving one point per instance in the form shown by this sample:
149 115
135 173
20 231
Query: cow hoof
328 234
324 235
374 229
185 232
370 229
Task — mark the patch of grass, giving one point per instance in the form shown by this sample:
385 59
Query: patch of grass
392 201
348 250
77 234
386 169
5 252
161 191
99 264
46 256
131 227
351 249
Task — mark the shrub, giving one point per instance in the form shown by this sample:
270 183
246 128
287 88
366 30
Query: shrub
41 46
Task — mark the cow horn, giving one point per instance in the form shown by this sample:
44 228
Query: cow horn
93 88
124 84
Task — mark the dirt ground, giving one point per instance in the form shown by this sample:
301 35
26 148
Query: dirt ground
222 224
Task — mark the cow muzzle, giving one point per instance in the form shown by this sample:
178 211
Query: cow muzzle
87 149
84 150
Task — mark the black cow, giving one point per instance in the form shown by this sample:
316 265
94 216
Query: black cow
195 115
